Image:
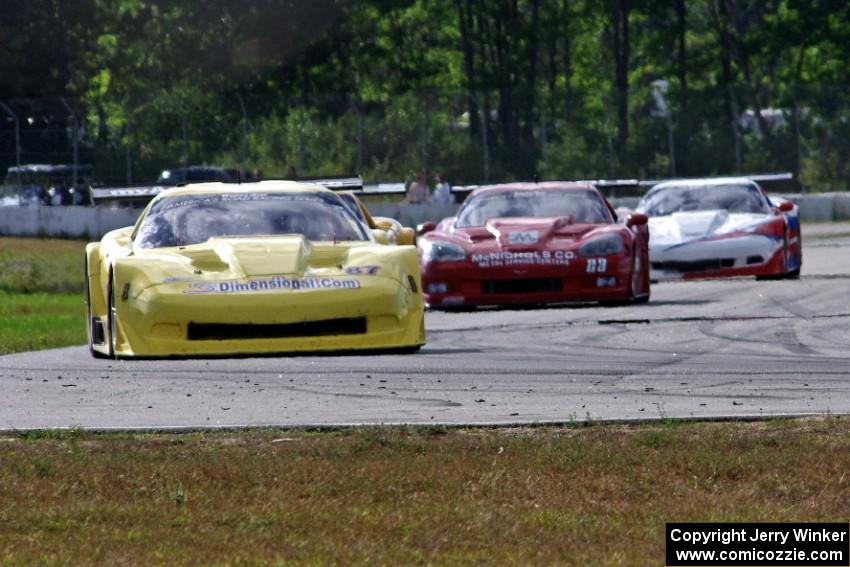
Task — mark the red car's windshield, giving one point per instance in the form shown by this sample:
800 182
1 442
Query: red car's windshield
191 219
582 206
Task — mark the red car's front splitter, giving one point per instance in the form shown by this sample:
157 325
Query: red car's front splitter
453 287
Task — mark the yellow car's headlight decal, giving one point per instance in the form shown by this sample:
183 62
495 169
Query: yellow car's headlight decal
362 270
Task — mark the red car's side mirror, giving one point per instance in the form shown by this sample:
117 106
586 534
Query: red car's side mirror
425 228
637 219
785 206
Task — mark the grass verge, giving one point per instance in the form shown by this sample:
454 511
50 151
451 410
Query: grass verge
597 495
41 303
31 265
36 321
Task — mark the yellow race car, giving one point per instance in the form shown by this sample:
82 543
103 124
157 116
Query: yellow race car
225 269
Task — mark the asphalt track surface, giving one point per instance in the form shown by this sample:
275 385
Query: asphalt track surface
710 349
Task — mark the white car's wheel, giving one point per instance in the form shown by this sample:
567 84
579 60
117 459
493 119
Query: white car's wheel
791 274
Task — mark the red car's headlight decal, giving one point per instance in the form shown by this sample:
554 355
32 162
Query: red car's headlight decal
605 245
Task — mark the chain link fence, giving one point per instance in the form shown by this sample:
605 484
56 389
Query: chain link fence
468 138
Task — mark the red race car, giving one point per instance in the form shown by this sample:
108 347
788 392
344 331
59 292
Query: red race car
533 243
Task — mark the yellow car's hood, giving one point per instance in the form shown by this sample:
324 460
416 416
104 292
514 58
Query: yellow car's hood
239 258
256 257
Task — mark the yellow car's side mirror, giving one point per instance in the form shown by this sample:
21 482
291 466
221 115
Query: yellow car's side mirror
381 236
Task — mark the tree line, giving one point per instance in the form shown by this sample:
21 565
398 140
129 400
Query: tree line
478 89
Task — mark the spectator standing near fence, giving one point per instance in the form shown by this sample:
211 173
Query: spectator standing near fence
418 192
442 192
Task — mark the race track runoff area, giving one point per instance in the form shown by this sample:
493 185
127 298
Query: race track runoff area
711 349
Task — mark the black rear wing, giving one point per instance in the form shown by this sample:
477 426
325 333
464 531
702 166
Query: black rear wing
139 194
356 185
142 194
334 182
608 187
771 182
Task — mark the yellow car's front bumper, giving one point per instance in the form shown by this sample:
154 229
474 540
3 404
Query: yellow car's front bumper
267 315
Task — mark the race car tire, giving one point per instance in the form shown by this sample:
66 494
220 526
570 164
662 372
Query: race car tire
637 299
644 298
112 318
89 330
633 298
791 275
641 300
795 274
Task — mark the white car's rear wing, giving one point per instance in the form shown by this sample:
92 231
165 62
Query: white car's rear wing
637 187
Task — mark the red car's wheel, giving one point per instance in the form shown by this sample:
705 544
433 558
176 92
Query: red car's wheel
640 279
635 296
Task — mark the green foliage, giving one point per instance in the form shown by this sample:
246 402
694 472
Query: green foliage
387 88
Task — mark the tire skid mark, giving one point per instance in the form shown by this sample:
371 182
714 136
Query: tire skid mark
592 346
383 397
631 321
700 395
790 341
785 336
721 318
792 306
832 336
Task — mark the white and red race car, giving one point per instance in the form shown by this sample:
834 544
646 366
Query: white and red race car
720 227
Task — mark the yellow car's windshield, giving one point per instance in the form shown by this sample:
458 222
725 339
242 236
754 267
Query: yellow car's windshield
191 219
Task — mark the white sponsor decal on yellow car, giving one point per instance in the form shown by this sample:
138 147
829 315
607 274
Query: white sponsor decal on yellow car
272 283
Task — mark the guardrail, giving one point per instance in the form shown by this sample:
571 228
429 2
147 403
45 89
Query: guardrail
64 222
93 222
